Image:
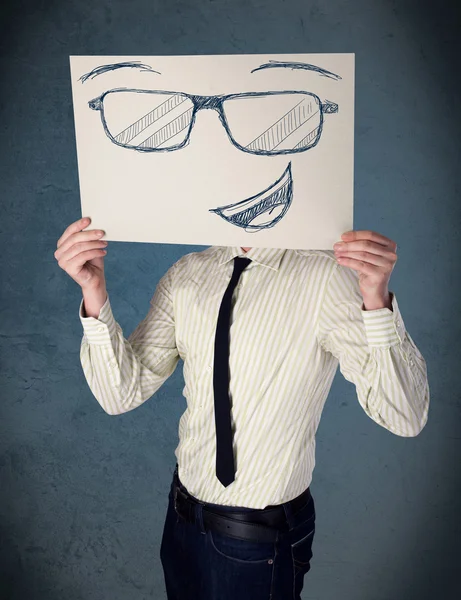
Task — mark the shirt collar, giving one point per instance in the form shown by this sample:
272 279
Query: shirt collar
268 257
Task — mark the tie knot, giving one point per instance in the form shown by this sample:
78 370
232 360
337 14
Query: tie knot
240 264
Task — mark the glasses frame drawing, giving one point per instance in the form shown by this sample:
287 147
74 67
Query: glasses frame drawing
215 103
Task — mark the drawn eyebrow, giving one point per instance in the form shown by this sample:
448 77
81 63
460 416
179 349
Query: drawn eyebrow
112 67
275 64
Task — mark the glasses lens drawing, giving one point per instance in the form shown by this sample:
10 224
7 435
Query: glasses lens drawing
274 123
148 121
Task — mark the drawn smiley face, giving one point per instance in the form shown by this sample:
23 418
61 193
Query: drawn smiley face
268 123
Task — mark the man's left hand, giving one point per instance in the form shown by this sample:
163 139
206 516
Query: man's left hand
374 256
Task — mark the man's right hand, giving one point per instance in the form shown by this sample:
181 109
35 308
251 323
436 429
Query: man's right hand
81 255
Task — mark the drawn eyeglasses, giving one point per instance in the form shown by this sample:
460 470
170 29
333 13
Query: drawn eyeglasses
265 123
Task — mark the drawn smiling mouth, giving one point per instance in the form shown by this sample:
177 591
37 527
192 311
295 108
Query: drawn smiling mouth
255 213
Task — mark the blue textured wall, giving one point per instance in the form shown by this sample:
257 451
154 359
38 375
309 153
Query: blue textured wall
84 495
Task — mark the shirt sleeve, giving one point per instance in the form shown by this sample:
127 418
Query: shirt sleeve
376 354
124 373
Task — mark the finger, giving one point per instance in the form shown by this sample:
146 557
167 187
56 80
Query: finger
365 257
369 235
74 265
79 249
357 265
367 246
73 228
78 238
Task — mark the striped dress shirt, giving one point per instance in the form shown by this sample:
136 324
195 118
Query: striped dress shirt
296 316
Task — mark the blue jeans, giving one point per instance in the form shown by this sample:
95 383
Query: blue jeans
205 565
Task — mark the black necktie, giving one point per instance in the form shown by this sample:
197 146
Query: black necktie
225 469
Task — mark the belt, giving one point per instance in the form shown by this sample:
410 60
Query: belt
260 525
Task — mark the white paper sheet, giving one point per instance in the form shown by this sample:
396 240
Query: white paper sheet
227 150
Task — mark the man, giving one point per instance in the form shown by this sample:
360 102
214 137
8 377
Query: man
242 526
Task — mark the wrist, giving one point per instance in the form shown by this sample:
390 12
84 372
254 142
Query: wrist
94 299
376 302
94 289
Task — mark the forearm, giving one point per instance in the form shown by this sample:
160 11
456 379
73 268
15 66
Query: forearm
393 389
124 373
376 353
116 375
397 392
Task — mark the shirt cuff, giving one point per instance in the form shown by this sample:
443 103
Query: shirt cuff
384 327
99 331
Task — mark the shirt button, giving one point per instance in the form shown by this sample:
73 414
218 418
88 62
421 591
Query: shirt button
209 368
411 361
101 328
